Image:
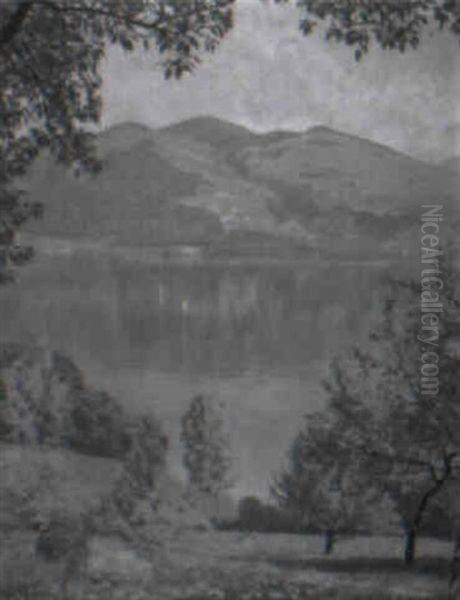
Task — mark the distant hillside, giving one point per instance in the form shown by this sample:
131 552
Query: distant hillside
132 200
336 170
203 180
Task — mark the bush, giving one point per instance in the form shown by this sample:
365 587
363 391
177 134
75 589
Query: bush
64 539
61 536
54 567
96 425
44 400
255 515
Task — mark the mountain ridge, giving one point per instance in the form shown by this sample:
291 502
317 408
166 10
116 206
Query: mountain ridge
209 181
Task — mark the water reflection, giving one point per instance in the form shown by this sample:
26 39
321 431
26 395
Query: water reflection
195 318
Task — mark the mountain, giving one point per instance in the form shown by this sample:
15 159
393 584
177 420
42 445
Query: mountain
206 181
132 200
336 170
216 133
223 136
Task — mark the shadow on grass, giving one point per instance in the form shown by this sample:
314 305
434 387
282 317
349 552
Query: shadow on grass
434 566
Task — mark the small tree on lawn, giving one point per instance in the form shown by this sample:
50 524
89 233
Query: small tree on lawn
143 466
205 447
324 481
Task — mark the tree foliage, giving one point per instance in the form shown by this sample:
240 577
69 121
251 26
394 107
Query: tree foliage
409 442
391 24
323 479
45 400
147 453
50 79
413 440
205 447
382 433
254 514
135 492
96 424
50 56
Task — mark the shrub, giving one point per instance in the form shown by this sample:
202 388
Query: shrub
61 536
96 425
44 400
64 539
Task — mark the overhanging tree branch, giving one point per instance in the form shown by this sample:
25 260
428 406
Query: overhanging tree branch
164 20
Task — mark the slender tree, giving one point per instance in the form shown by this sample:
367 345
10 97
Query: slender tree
205 447
143 467
147 454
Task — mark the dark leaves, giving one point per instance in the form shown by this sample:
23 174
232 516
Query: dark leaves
392 24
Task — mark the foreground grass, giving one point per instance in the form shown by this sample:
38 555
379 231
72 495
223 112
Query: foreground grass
191 565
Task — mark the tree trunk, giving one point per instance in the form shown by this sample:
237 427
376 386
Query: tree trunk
409 548
329 539
413 526
454 582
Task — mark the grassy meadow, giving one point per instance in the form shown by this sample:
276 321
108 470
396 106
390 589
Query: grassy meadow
213 565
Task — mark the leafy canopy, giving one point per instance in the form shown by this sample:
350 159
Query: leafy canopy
50 79
391 24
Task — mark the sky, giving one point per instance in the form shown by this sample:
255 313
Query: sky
267 76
